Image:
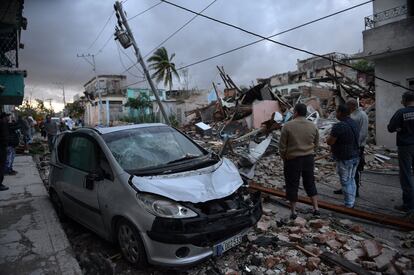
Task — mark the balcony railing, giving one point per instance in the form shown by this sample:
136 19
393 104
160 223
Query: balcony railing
371 20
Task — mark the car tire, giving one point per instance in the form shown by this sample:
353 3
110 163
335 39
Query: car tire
130 243
57 204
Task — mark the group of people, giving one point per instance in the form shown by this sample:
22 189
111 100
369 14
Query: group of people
347 139
13 133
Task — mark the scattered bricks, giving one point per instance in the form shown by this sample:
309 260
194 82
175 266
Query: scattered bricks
295 237
294 229
360 252
283 238
304 230
333 244
320 238
383 261
263 226
351 256
318 223
232 272
356 228
294 266
372 248
313 263
342 238
368 265
299 221
403 262
271 262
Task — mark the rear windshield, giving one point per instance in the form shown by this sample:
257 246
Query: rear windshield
150 147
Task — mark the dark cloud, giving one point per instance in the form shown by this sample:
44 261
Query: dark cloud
59 30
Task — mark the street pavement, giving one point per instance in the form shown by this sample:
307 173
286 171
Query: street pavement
32 240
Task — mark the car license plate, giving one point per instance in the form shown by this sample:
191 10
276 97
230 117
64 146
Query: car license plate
228 244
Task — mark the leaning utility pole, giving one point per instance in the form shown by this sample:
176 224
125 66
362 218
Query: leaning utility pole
126 38
98 86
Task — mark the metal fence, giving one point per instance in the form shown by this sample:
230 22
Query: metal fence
371 20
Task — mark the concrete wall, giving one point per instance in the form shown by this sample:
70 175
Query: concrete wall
383 5
396 36
388 97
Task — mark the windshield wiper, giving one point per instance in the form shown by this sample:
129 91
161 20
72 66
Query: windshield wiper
186 157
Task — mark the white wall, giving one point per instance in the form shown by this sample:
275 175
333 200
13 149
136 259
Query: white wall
388 97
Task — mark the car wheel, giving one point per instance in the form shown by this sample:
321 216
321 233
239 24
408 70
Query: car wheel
131 244
57 204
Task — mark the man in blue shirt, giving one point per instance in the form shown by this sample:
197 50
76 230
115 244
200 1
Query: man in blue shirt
344 142
403 123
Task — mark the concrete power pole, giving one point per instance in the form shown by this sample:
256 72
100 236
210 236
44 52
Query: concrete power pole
98 86
126 38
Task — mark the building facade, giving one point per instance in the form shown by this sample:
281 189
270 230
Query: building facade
111 89
11 75
389 42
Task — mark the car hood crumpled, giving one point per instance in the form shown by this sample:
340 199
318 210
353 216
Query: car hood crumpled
214 182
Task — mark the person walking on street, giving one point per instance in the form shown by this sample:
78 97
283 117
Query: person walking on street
402 122
25 129
51 129
13 142
361 119
344 142
4 139
297 145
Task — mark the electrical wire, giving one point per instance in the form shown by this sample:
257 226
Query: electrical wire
142 12
286 45
179 29
274 35
123 64
104 46
101 31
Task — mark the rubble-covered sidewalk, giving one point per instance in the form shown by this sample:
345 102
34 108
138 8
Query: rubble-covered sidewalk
31 237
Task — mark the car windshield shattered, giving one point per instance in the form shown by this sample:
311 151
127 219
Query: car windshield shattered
148 148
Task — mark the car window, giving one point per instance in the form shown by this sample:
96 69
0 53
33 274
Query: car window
82 154
149 147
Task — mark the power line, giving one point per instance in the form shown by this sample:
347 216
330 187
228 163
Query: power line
103 28
123 64
142 12
285 45
274 35
179 29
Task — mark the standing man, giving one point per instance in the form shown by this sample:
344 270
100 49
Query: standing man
361 119
344 142
403 123
51 129
4 139
297 145
14 140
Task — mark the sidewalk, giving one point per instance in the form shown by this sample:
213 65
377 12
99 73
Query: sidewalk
32 240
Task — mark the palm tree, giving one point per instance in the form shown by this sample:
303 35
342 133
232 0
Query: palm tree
163 66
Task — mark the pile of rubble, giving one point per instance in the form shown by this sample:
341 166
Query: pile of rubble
311 246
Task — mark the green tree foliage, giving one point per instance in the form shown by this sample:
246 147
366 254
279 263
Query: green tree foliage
364 66
163 66
75 109
141 103
37 110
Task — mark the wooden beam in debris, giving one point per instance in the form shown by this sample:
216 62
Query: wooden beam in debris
336 260
218 99
358 213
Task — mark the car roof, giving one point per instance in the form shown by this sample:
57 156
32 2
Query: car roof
107 130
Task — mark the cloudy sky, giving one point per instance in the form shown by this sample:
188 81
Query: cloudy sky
58 30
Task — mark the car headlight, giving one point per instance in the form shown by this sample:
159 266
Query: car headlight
162 207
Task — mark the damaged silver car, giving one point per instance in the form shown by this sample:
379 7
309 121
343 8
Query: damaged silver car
154 191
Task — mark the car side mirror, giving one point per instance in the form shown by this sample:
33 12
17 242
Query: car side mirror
106 169
91 178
